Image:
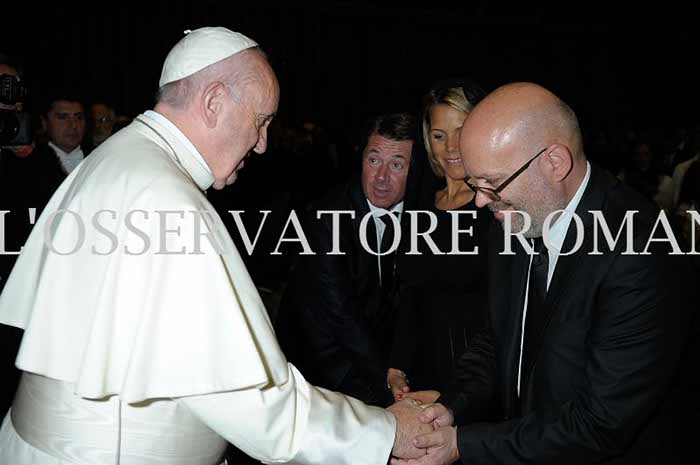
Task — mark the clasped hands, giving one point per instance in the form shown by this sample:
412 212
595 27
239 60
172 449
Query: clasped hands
424 434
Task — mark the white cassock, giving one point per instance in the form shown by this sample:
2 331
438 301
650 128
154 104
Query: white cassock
136 353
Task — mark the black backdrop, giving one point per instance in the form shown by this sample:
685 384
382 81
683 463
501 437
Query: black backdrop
339 61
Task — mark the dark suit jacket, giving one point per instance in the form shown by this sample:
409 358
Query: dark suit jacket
25 183
603 386
335 321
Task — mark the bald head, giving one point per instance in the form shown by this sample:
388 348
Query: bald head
517 120
505 131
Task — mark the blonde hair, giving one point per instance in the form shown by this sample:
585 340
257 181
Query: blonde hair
453 97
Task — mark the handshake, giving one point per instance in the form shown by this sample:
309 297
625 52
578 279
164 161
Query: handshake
424 434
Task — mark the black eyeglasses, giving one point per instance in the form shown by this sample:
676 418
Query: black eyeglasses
493 194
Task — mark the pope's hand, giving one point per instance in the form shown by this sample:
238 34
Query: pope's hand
408 426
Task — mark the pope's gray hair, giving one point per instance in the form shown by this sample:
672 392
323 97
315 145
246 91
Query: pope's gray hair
179 94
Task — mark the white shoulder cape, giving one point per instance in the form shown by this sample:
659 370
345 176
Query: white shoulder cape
140 325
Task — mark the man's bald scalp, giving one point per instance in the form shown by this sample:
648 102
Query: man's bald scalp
529 115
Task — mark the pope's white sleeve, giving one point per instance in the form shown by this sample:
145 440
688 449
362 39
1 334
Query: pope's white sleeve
298 423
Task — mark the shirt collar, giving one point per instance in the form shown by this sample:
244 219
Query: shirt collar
378 211
180 136
68 160
557 233
75 153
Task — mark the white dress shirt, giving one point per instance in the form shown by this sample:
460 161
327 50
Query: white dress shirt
377 213
69 160
557 234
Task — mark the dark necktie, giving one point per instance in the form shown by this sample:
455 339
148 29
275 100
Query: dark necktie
387 261
537 292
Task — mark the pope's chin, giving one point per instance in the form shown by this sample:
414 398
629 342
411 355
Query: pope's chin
231 179
221 183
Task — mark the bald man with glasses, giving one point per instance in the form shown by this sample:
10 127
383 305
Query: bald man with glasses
590 353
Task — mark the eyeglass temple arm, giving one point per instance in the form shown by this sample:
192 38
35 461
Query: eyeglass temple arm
517 173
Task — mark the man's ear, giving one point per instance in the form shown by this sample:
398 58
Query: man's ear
558 162
44 124
212 103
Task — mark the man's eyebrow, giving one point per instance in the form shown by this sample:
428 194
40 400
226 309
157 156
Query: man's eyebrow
399 155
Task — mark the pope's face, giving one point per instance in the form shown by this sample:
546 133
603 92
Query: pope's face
248 122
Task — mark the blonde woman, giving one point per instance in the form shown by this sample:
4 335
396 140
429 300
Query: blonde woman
442 301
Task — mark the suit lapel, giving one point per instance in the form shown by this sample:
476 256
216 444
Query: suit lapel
514 276
365 260
568 267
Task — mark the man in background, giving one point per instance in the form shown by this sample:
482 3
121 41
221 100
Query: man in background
336 319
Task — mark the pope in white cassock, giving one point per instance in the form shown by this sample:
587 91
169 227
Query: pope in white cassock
145 341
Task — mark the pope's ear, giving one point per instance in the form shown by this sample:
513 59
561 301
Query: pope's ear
212 102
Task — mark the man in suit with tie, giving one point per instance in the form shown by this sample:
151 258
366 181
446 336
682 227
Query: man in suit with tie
589 345
336 316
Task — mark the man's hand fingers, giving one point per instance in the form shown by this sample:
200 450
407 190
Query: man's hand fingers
429 414
437 413
424 397
424 441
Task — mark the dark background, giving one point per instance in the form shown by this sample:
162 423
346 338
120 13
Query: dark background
622 72
339 61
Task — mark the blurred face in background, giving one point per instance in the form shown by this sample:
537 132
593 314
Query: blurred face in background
102 118
385 164
65 124
642 157
445 125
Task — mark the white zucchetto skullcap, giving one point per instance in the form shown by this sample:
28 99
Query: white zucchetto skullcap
201 48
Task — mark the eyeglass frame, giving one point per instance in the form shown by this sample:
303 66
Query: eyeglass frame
493 193
104 120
